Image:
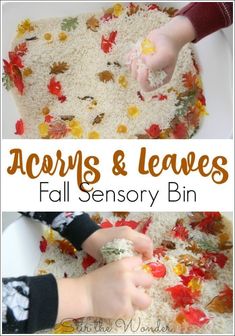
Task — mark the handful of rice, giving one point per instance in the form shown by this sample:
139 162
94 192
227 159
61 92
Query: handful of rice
117 249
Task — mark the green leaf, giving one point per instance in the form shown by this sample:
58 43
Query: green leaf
69 24
207 245
7 83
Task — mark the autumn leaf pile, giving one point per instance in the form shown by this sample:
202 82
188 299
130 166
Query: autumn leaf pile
57 62
193 291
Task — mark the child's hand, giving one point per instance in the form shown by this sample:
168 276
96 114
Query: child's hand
112 291
142 243
168 41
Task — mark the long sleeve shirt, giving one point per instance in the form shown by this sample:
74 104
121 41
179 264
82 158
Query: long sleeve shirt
31 303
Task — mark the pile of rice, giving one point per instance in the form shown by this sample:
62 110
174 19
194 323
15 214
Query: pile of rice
160 315
103 113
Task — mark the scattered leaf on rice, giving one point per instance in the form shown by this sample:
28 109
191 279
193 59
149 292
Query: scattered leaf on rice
66 247
222 303
121 214
105 76
24 27
27 72
132 9
19 127
168 244
187 259
133 111
96 218
57 129
69 24
98 119
93 24
93 135
43 130
59 67
195 316
63 36
147 47
49 261
117 10
65 327
123 81
122 129
224 242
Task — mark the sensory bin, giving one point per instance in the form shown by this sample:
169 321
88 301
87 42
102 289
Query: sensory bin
70 80
192 269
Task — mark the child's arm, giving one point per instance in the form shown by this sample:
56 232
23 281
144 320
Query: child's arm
74 226
35 303
192 23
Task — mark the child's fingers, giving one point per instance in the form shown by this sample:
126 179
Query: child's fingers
142 78
143 245
130 263
155 62
140 299
142 279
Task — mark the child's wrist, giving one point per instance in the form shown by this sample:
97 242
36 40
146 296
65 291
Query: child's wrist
180 30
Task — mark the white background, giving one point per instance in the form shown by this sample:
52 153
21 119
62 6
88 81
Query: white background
21 193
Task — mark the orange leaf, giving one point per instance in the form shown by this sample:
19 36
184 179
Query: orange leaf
222 303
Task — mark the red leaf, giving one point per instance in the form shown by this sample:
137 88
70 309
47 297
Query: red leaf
195 316
181 295
21 49
158 269
179 231
213 215
48 118
87 261
17 79
159 251
227 293
186 279
55 87
152 7
106 17
58 129
15 59
218 258
197 272
19 126
62 98
7 67
122 222
145 225
107 43
180 131
43 244
160 97
106 224
154 131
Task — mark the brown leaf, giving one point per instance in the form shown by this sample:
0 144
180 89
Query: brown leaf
49 261
57 129
93 24
105 76
196 216
98 119
171 11
59 67
222 303
97 218
187 259
142 136
67 117
133 9
193 247
224 242
90 98
168 244
121 214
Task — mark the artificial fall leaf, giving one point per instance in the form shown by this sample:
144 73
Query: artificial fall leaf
58 67
107 42
154 131
195 316
159 251
66 117
24 27
218 258
93 135
179 269
55 87
179 231
57 129
131 223
187 259
153 7
14 73
171 11
48 118
69 24
106 76
193 247
181 295
42 272
43 245
93 24
224 242
49 261
160 97
157 269
222 303
98 119
180 131
27 72
210 224
21 49
132 9
87 261
123 81
65 327
106 224
140 96
147 47
15 59
195 284
189 80
19 126
144 225
142 136
66 247
96 218
121 214
168 244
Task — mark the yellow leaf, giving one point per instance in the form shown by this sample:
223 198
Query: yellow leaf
123 81
27 72
133 111
117 9
48 37
122 129
195 285
147 47
74 123
43 129
77 131
180 269
93 135
63 36
66 327
24 27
